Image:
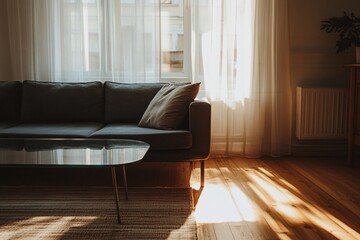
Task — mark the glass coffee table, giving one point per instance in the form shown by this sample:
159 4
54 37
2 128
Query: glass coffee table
55 152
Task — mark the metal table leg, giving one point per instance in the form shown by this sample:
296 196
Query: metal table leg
125 182
113 172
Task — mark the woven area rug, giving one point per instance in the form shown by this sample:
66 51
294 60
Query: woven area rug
90 213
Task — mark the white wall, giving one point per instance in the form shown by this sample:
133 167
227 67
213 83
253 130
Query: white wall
314 60
313 57
5 63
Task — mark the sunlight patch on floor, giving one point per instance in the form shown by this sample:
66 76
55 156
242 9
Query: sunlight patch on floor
243 204
42 226
217 205
261 198
287 202
174 234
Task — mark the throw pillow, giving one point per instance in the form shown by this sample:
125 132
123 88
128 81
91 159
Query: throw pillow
169 106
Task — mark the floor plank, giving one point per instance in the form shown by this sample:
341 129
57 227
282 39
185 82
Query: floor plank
278 198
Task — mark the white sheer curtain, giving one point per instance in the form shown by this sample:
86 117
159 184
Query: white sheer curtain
240 54
85 40
239 51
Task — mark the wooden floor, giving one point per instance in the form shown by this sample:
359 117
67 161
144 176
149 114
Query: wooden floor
278 198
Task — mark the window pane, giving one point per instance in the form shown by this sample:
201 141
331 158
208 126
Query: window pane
172 34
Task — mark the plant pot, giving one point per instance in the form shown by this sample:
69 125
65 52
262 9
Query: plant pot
357 49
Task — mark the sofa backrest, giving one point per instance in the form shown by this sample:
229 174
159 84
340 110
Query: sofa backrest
62 102
126 102
10 101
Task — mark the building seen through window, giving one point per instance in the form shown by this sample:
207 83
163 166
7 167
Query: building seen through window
172 36
87 28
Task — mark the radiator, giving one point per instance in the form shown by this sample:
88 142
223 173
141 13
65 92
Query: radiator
321 113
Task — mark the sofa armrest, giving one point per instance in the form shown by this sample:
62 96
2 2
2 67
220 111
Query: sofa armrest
200 127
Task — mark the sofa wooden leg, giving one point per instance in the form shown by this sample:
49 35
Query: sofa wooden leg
191 165
202 173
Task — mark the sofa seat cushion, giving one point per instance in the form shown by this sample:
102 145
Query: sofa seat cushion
157 138
51 130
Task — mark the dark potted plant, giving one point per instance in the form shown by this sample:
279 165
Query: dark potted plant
348 29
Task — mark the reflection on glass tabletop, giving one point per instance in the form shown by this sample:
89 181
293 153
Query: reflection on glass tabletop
74 152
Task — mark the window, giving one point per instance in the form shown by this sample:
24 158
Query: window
82 30
175 40
88 20
174 33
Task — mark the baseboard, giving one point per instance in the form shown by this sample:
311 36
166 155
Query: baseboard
317 148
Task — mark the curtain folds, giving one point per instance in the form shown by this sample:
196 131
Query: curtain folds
76 40
240 53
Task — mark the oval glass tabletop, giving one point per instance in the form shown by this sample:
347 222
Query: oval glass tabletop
72 152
